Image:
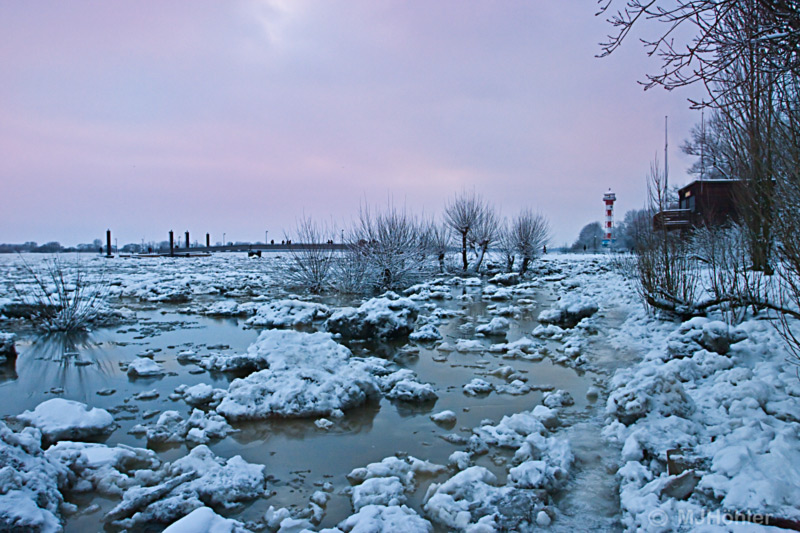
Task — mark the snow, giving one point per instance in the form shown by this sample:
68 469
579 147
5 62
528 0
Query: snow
30 497
444 417
569 310
60 419
704 414
497 326
143 367
308 375
373 518
427 333
205 520
288 314
281 350
478 386
408 390
722 395
196 480
385 317
199 428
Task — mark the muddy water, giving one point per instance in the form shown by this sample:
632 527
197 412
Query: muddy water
298 455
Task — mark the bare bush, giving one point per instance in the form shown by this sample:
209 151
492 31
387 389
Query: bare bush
668 273
393 243
60 297
312 257
788 231
351 271
436 238
730 281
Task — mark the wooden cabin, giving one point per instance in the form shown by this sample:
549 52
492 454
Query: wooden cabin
701 203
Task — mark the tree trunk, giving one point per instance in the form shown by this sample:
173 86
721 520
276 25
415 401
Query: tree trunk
464 249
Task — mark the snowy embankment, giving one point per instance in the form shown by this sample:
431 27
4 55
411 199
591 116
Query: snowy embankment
710 426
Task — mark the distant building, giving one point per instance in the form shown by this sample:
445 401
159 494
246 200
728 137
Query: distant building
701 203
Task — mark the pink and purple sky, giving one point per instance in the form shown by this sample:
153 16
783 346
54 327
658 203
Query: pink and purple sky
239 116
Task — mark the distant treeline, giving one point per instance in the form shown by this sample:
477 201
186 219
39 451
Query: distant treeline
47 248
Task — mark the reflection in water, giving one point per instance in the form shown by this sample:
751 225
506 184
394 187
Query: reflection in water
359 420
8 369
60 359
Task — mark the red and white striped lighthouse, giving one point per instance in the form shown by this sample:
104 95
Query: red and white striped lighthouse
608 227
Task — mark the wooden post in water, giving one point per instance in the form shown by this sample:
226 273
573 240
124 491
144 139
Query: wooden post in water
187 239
208 240
108 243
171 243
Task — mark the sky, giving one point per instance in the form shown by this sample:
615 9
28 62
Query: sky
243 116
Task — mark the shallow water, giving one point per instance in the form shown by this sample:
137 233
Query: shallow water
299 456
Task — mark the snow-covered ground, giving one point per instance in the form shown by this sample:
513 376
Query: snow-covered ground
221 401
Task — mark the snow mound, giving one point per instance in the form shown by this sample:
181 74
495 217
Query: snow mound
143 367
478 386
201 395
199 428
307 375
278 349
386 317
472 501
373 518
229 308
569 310
205 520
427 333
288 314
404 469
60 419
447 418
497 326
30 499
196 480
511 278
110 471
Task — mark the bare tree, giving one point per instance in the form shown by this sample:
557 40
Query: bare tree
311 257
463 213
530 232
484 234
715 37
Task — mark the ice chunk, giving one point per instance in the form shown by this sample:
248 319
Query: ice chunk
144 367
427 333
308 375
288 314
382 518
497 326
385 317
60 419
29 483
205 520
569 310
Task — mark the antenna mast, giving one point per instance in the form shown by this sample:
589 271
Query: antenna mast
666 162
703 145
